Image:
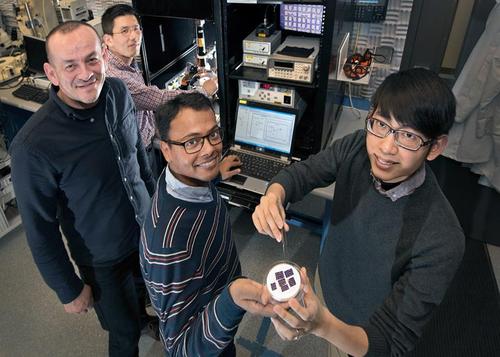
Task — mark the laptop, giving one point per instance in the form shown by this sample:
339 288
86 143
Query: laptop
263 141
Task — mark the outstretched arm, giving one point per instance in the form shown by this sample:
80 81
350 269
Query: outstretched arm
213 328
312 317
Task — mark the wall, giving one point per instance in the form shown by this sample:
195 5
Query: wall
99 6
391 32
457 34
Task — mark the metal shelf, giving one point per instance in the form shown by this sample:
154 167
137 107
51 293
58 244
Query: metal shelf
9 214
260 75
9 220
12 223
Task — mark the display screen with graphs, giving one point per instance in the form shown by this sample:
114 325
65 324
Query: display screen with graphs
302 17
265 128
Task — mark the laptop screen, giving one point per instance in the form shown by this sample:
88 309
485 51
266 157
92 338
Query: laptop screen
266 129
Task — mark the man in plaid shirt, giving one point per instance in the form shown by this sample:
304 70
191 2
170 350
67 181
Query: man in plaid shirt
123 36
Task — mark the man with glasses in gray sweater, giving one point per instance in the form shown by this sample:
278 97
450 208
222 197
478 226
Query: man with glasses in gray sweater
395 242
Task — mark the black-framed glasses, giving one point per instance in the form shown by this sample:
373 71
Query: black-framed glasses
193 145
403 138
126 31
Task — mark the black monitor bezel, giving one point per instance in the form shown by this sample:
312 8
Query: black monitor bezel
39 54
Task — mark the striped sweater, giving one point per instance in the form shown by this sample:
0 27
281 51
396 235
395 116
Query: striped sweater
188 258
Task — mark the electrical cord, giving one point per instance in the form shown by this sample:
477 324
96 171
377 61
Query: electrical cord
32 80
377 57
381 59
265 13
357 36
18 83
14 49
355 111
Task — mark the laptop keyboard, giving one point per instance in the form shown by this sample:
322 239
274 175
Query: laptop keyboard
258 167
32 93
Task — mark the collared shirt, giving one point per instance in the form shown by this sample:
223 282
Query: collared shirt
146 98
88 178
404 188
185 192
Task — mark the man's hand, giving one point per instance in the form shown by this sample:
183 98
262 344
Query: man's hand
252 297
312 317
230 166
210 86
307 318
269 215
82 304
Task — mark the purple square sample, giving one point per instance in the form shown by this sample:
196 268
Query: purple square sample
283 281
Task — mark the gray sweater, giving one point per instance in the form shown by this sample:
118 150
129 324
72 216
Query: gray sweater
385 265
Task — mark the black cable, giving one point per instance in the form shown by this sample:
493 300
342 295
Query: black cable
379 58
14 86
266 22
265 15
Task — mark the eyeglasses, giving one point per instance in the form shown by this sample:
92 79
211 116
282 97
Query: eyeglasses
126 31
193 145
402 138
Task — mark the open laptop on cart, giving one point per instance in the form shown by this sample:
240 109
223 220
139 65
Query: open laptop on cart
263 141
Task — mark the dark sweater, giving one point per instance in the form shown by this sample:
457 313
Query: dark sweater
83 172
188 258
385 265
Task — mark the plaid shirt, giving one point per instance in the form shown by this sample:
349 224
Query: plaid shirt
146 98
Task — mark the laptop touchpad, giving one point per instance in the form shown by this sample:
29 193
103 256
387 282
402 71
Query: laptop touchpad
239 179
